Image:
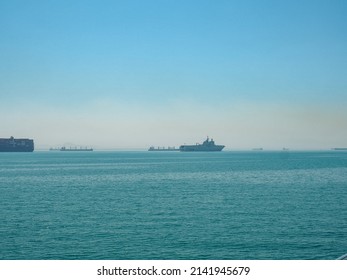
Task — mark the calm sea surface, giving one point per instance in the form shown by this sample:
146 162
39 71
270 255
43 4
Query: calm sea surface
171 205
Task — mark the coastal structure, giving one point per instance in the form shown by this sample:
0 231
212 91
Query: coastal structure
207 146
16 145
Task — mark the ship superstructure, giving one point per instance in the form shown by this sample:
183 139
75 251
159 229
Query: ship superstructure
16 145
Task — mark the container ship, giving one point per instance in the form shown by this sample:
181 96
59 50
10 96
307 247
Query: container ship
16 145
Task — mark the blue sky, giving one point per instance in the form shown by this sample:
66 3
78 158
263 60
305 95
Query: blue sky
129 74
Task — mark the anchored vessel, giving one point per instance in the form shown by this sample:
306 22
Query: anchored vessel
162 149
64 149
16 145
207 146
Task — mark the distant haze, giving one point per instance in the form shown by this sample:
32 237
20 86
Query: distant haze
131 74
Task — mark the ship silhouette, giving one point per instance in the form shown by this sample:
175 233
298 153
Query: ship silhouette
16 145
207 146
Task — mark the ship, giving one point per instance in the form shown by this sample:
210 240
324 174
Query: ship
207 146
163 149
339 149
16 145
75 149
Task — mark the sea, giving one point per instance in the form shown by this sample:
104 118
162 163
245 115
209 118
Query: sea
131 205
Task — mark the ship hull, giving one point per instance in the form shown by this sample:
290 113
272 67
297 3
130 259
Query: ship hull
75 150
201 148
207 146
16 149
162 150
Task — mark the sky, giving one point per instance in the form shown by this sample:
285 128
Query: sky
131 73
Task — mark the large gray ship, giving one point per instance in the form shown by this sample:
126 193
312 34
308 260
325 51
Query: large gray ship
16 145
207 146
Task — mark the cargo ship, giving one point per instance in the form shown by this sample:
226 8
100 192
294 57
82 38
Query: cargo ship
162 149
75 149
16 145
207 146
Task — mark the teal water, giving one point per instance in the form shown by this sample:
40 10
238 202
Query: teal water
171 205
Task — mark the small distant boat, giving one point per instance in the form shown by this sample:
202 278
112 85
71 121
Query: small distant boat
257 149
75 149
339 149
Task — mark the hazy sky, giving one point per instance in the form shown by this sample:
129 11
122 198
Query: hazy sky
130 74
